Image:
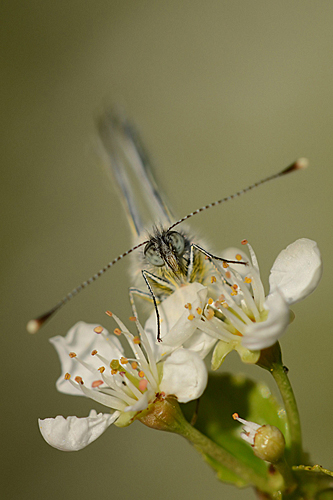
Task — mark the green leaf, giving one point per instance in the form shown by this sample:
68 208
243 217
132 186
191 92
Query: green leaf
225 395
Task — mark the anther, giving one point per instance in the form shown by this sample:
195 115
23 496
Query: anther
209 314
243 242
67 376
210 301
213 279
98 329
97 383
117 331
238 257
123 360
225 265
101 369
248 280
94 352
78 380
134 365
188 306
137 340
132 318
72 355
199 310
141 374
143 384
190 317
228 275
109 313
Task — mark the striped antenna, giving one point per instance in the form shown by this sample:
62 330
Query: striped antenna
35 324
297 165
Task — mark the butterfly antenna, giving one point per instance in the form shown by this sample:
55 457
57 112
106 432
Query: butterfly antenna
297 165
35 324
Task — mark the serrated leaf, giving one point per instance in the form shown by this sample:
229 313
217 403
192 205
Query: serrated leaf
225 395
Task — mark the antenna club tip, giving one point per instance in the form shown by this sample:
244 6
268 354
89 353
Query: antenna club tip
33 326
301 163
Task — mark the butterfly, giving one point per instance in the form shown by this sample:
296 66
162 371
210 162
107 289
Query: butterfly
168 257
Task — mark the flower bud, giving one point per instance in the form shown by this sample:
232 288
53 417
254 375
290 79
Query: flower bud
269 443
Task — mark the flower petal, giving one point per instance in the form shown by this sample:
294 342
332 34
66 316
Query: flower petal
297 270
73 433
176 328
263 334
82 339
184 375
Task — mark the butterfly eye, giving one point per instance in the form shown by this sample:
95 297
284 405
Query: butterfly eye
153 256
178 242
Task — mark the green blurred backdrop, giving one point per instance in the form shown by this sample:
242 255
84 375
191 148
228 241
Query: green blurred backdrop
224 93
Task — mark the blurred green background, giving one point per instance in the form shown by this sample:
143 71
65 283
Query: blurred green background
224 93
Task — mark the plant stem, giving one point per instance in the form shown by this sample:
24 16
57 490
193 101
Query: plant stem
271 360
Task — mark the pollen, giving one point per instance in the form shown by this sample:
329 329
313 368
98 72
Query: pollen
78 380
97 383
137 340
101 369
134 365
132 318
238 256
225 265
244 242
109 313
247 280
72 355
188 306
67 376
123 360
199 310
213 279
117 331
190 317
141 374
210 301
98 329
94 352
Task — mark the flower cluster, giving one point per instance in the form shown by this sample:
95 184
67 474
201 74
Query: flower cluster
232 314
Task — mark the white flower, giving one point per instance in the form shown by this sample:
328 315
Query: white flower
239 316
96 361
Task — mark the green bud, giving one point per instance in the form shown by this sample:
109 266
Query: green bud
269 444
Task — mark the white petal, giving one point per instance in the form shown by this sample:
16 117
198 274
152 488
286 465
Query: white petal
184 375
176 328
200 342
82 339
73 433
297 270
263 334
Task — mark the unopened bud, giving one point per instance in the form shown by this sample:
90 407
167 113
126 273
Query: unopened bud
269 443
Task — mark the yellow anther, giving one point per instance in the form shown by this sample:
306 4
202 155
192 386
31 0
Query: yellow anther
123 360
72 355
188 306
213 279
199 310
225 265
134 365
109 313
190 317
94 352
101 369
117 331
137 340
225 305
141 374
248 280
210 301
132 318
244 242
79 380
238 256
209 314
67 376
98 329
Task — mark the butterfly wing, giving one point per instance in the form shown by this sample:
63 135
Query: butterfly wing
130 169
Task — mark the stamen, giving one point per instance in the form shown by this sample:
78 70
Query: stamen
141 374
134 365
213 279
137 340
199 310
78 380
238 257
190 317
98 329
97 383
132 318
247 280
72 355
117 331
225 265
94 352
123 360
188 306
210 301
101 369
109 313
67 376
243 242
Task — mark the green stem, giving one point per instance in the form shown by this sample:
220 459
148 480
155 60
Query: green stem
271 360
205 445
